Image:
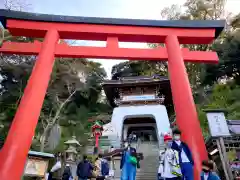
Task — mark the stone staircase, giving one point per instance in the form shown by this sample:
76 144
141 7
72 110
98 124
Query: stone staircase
148 166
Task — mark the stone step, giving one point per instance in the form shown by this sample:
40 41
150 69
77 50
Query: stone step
141 178
145 177
142 175
118 174
148 166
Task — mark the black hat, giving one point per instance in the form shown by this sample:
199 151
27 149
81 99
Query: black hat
100 156
177 131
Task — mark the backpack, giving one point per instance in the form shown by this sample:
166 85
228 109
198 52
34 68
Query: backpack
104 168
66 177
66 174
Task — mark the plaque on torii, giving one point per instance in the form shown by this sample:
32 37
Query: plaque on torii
52 28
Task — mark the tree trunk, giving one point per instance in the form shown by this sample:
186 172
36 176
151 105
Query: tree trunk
52 122
43 140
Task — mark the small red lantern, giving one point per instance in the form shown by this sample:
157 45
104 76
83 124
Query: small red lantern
97 129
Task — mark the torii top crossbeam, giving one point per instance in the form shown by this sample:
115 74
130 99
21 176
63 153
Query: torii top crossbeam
112 31
52 28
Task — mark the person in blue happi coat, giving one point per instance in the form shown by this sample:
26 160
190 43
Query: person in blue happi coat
129 163
185 156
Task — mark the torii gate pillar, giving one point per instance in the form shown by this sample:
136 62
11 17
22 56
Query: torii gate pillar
50 27
187 118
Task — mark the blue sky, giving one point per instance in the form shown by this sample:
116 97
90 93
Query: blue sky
133 9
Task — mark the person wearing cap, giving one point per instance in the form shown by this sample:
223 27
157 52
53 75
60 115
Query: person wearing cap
207 173
185 155
169 168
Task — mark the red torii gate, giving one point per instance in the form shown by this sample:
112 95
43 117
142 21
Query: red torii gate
51 27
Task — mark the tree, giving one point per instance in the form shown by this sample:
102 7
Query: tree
193 10
51 121
7 109
139 68
228 68
18 5
71 78
74 79
201 76
74 83
197 10
15 71
223 96
73 93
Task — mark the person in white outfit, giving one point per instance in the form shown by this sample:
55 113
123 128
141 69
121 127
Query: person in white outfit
56 167
169 168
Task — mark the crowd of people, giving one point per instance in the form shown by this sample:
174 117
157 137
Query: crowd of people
100 169
97 170
176 161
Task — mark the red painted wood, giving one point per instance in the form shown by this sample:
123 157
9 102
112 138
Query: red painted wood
15 150
112 42
21 48
109 52
186 114
14 153
97 140
102 32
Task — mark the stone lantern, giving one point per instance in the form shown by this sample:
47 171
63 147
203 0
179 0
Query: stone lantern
71 153
72 148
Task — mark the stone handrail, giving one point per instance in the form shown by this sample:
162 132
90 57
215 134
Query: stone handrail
114 152
117 152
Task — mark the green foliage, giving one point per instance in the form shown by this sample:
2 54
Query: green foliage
214 86
223 96
228 51
139 68
81 77
199 74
